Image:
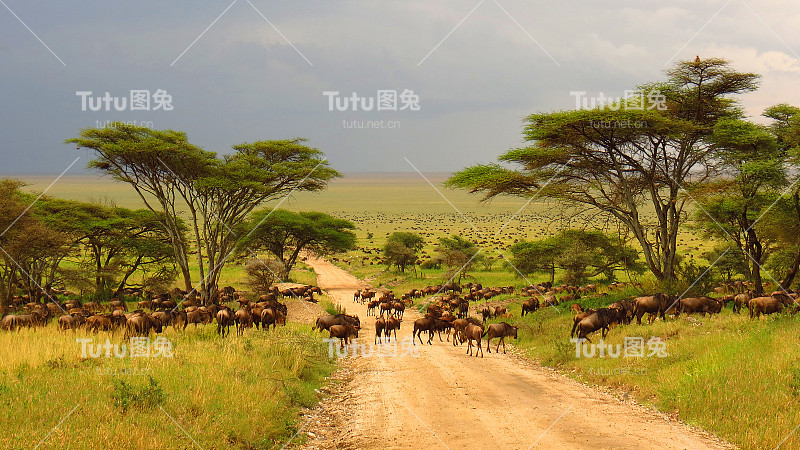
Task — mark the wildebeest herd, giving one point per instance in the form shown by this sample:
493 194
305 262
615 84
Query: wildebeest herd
174 308
448 310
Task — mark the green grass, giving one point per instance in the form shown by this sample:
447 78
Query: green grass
236 392
733 376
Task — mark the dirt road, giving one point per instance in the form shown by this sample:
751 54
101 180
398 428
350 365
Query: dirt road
442 398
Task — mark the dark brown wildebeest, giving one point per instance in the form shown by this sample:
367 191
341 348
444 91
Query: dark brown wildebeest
702 305
116 303
741 300
626 306
656 304
179 320
9 323
473 333
500 310
530 305
458 328
578 317
272 317
424 324
768 305
197 316
225 321
392 324
243 320
325 322
399 308
372 307
486 312
380 326
599 320
500 330
70 322
442 325
97 322
142 325
344 333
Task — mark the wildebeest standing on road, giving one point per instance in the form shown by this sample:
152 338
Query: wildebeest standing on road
500 330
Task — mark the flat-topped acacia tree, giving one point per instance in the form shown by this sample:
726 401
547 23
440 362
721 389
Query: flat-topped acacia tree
619 161
169 173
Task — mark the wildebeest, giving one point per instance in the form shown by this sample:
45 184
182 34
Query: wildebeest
423 324
198 316
578 317
9 323
142 325
599 320
392 324
768 305
243 320
700 305
399 308
344 333
473 333
530 305
70 322
272 317
225 320
380 326
486 312
741 300
500 330
325 322
97 322
656 304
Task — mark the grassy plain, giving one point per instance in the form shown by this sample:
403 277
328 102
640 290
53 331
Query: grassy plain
737 377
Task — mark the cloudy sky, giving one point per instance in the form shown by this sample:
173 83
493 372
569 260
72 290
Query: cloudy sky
244 70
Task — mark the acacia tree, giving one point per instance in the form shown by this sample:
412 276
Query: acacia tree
161 166
786 127
581 254
401 249
751 173
219 193
641 161
31 251
117 242
285 235
459 255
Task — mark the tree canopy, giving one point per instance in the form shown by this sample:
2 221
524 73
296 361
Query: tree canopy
580 254
170 174
285 235
641 161
401 249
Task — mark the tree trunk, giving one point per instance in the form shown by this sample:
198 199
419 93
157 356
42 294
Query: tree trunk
792 272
